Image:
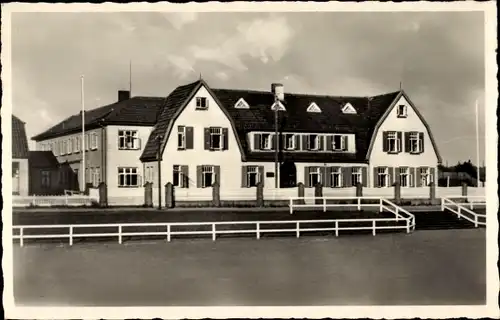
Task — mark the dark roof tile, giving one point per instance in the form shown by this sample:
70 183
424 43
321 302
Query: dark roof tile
19 139
42 159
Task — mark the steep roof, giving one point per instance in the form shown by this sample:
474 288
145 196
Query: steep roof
134 111
42 159
19 139
260 117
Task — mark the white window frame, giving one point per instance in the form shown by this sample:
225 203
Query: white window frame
128 139
292 137
316 142
314 171
216 131
404 109
199 103
93 140
241 104
414 138
336 172
181 134
348 109
393 136
342 142
313 107
205 170
356 175
426 177
70 146
404 172
383 172
266 141
128 171
177 170
253 171
78 141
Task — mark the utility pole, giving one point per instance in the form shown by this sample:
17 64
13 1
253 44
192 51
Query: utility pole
277 141
83 134
477 141
159 138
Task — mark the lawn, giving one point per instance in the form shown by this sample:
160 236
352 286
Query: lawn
422 268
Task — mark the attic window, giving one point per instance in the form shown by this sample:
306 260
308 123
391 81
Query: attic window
313 107
348 108
201 103
278 106
241 104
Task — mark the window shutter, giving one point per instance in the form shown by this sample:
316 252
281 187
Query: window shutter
207 138
273 142
198 176
306 177
138 144
421 141
364 176
305 146
346 139
225 137
217 174
432 172
391 176
419 177
322 171
375 177
412 177
244 183
297 142
385 142
400 140
261 175
346 176
407 142
256 141
139 180
189 137
185 176
321 142
329 141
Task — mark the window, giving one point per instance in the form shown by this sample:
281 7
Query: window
93 141
128 177
241 104
177 176
45 175
313 107
356 176
78 141
201 103
87 144
128 140
181 137
95 178
339 143
425 177
314 176
278 106
207 176
313 142
289 141
402 111
404 177
266 141
383 177
414 142
393 142
64 147
336 177
348 109
253 176
15 169
216 142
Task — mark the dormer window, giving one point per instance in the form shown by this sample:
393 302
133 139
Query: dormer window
241 104
348 109
402 111
201 103
266 141
313 107
313 142
278 106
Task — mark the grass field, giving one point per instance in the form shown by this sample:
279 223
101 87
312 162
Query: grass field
426 267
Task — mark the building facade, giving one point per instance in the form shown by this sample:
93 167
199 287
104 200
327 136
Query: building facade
20 155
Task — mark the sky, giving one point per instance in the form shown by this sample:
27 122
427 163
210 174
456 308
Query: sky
438 57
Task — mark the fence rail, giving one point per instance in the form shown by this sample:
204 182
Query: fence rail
296 226
50 201
463 212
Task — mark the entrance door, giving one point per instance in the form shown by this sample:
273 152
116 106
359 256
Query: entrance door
288 175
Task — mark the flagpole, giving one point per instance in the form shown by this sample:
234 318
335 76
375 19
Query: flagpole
130 77
477 140
83 133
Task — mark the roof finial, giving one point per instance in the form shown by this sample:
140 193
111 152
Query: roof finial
400 85
200 75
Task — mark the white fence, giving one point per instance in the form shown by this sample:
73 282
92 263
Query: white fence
463 212
54 201
214 228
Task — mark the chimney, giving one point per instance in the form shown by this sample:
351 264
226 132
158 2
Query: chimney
123 95
278 90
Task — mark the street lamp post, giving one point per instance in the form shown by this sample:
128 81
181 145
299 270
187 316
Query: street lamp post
158 157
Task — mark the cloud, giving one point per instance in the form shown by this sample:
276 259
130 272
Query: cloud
182 66
222 75
180 19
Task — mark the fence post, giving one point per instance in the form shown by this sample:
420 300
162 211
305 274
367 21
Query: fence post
66 200
301 193
120 235
260 194
432 192
169 195
359 194
21 234
213 232
464 190
298 229
148 194
103 194
216 194
318 193
70 235
336 228
397 192
258 230
374 227
168 232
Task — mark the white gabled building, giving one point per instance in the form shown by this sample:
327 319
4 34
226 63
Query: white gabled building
205 135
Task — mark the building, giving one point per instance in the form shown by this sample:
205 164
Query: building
205 135
20 155
47 175
112 145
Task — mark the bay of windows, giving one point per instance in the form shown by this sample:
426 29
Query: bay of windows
128 177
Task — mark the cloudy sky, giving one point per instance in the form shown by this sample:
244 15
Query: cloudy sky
438 57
